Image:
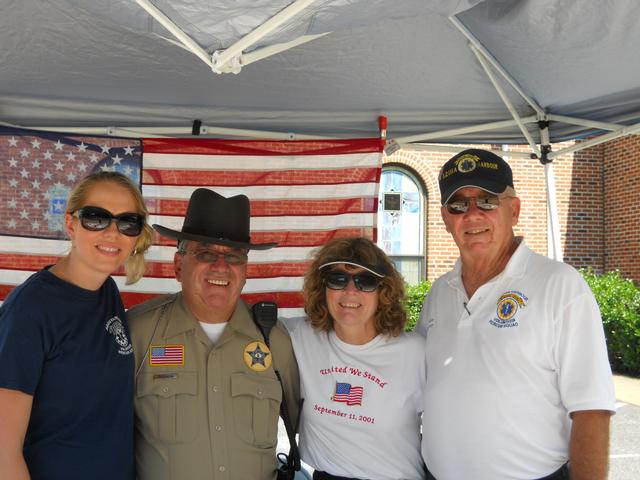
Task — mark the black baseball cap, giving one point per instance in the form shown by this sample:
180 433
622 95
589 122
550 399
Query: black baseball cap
474 168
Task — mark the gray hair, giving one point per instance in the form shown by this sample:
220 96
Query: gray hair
182 246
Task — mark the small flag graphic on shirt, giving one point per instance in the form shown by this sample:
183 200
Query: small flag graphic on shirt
166 355
345 393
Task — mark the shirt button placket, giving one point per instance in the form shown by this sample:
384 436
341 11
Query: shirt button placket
215 400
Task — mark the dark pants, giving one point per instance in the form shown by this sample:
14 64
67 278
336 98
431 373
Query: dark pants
561 474
317 475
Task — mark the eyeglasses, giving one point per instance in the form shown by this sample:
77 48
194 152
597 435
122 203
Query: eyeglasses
486 204
210 256
365 282
96 219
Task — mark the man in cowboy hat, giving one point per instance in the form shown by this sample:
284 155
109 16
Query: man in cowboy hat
207 397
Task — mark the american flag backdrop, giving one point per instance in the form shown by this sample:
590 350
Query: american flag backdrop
303 193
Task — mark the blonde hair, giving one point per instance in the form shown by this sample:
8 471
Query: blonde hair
390 317
134 266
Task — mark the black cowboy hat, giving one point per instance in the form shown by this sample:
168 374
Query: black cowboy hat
212 218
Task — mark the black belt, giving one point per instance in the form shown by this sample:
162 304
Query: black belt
318 475
561 474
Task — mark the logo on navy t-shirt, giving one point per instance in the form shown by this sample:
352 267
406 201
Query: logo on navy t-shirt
116 328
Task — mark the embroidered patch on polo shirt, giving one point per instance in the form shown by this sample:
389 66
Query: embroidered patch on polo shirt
508 305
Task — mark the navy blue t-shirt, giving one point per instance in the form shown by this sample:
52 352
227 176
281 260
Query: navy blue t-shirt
69 348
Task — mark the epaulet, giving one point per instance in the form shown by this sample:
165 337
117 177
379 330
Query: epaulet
280 332
152 304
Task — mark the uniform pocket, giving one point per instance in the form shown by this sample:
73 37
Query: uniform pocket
256 406
166 404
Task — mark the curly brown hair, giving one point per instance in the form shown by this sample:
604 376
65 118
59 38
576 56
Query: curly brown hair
390 316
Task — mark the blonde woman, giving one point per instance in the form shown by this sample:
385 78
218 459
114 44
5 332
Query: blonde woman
66 362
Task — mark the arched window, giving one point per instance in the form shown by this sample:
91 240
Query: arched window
401 221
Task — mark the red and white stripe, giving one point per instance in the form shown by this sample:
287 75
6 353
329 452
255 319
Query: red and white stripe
303 193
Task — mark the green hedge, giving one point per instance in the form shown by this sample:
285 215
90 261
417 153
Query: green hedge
619 302
413 302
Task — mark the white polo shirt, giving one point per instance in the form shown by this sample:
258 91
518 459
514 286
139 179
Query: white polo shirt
504 372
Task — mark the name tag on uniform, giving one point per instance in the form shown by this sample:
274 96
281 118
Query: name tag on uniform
166 355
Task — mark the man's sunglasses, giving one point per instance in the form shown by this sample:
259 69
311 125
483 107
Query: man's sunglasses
486 204
209 256
96 219
365 282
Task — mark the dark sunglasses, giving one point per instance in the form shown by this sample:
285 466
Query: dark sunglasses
365 282
96 219
209 256
486 204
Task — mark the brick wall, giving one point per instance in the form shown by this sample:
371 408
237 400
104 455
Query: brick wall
622 206
586 182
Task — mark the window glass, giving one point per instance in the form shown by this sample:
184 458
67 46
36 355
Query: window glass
401 222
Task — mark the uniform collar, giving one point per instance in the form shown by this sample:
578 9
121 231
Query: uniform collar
241 321
181 320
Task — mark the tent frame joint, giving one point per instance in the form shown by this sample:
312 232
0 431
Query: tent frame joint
544 154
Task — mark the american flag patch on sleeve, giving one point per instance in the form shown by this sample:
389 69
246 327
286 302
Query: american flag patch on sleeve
166 355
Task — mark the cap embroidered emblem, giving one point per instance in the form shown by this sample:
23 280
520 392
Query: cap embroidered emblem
467 163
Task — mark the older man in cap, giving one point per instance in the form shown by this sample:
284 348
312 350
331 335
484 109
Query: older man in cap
207 396
518 380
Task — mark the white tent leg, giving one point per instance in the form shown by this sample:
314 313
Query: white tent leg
554 246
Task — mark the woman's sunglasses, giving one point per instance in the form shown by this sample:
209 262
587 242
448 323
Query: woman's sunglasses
96 219
365 282
486 204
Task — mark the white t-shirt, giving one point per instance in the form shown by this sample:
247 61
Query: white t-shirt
505 371
213 330
362 403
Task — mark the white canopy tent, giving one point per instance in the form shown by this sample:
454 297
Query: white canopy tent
463 71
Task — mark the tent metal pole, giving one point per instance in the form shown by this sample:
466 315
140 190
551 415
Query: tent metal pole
262 53
185 39
222 57
554 244
425 137
491 59
137 132
431 147
505 99
630 130
583 122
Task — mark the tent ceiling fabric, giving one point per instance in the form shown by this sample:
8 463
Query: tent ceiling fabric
82 63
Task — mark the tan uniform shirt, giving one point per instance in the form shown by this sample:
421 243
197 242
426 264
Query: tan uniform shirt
214 414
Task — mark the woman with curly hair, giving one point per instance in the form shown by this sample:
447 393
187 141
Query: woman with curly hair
361 375
66 361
